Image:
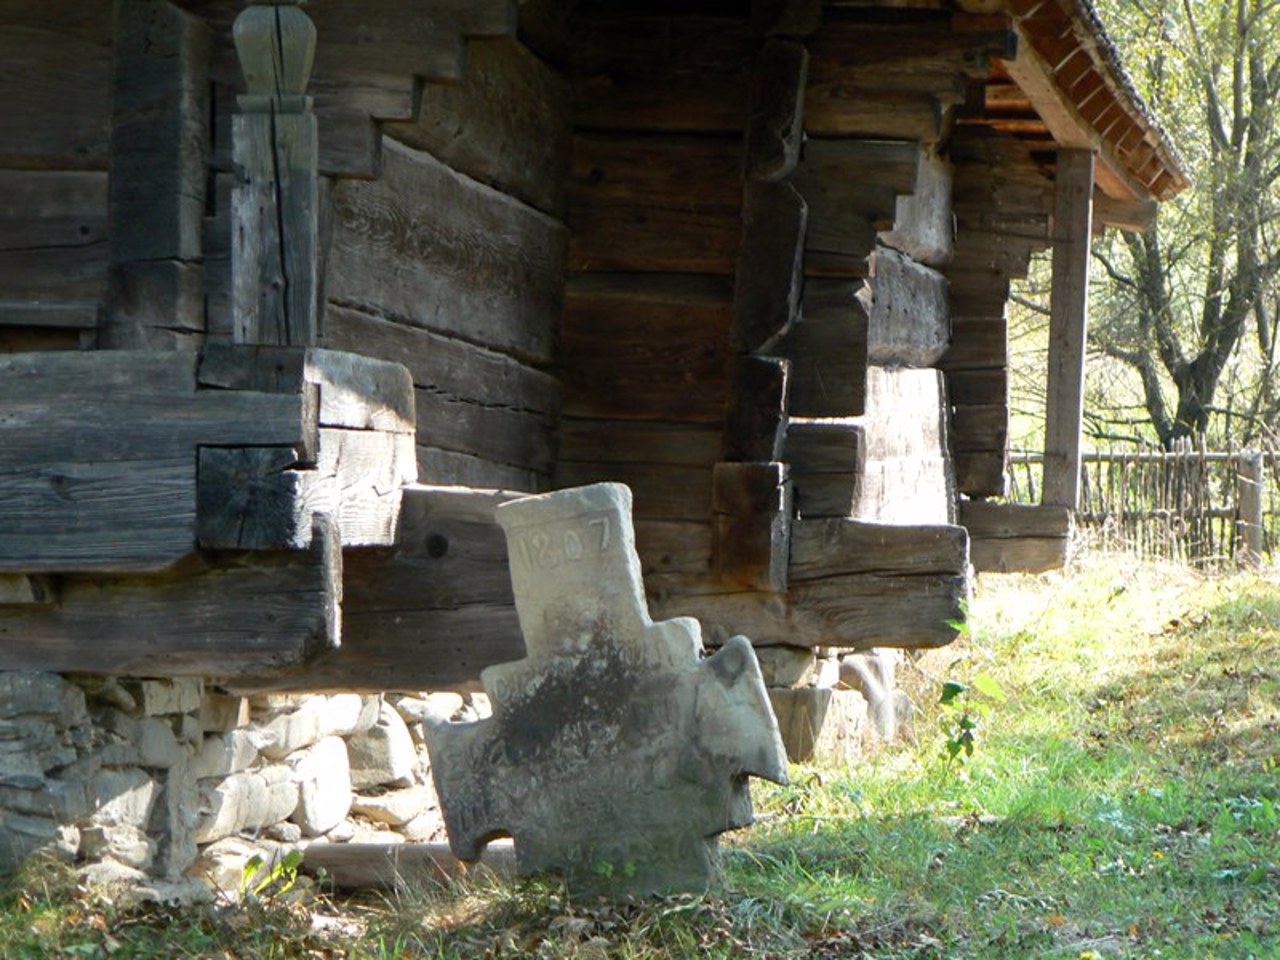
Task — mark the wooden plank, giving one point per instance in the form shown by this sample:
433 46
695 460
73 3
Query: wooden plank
53 239
646 348
434 249
978 387
1134 215
756 420
775 129
660 72
837 547
46 71
751 508
662 491
1068 327
860 612
219 622
156 305
909 316
505 124
428 613
655 204
923 223
833 111
977 343
668 547
981 427
1011 521
463 469
1025 555
827 462
768 276
618 441
980 473
356 391
827 348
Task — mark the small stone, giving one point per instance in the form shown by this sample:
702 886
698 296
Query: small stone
323 775
250 800
396 807
173 821
383 754
161 697
370 707
63 800
109 873
286 832
157 744
425 827
370 833
221 756
787 666
125 844
342 833
820 725
220 713
30 746
434 706
222 863
22 835
873 673
122 797
41 694
317 718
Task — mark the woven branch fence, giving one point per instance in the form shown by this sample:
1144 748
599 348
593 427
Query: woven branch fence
1191 505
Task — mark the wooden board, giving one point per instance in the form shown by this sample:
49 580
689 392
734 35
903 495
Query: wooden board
435 249
429 613
52 68
769 273
909 315
53 242
751 508
230 618
655 203
618 441
506 123
646 348
463 469
827 348
660 72
827 462
923 224
834 547
1015 537
662 491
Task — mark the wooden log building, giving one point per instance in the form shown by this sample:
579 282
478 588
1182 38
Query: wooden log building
292 297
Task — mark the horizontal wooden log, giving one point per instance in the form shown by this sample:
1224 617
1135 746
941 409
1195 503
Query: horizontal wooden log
1010 537
450 467
923 224
978 387
835 547
223 621
980 428
980 473
356 391
768 276
437 250
402 866
827 461
646 348
1026 555
50 71
655 204
53 239
751 507
827 349
661 491
660 72
638 442
910 319
851 188
675 548
977 342
506 123
428 613
832 110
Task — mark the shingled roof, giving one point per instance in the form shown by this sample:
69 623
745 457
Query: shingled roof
1068 87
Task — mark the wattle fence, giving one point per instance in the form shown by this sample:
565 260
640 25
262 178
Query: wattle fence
1191 505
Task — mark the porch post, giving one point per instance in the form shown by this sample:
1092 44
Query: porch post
1068 327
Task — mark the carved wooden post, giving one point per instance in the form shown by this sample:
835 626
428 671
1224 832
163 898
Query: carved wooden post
1068 327
275 283
1249 510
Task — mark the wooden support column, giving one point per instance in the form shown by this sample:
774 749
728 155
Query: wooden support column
1068 327
275 201
156 192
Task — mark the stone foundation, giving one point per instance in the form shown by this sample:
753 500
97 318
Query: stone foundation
173 786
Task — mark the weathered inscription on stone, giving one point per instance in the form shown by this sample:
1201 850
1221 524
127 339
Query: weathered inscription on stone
616 753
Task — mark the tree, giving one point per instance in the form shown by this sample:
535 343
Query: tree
1180 298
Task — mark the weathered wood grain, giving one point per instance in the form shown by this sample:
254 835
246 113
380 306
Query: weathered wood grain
435 249
909 313
56 64
449 467
662 491
661 71
980 473
646 348
655 203
835 547
775 129
1016 537
224 620
827 462
622 441
827 349
53 241
983 427
756 420
923 224
751 513
768 276
505 123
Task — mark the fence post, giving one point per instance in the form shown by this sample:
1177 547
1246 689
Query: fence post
1249 509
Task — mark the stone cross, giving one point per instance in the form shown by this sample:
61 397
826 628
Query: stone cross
616 753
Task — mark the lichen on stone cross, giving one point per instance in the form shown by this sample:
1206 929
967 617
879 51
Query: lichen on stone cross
616 753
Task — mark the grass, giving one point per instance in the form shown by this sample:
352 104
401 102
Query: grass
1123 801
